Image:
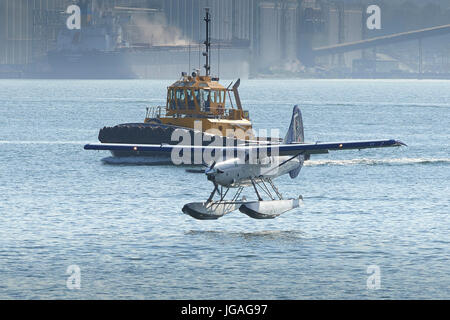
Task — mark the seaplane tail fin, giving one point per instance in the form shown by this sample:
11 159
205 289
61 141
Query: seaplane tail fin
296 134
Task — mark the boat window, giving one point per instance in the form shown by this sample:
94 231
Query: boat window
190 99
216 96
181 99
197 97
207 99
172 105
222 98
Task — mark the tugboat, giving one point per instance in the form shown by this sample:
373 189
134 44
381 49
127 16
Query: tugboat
196 103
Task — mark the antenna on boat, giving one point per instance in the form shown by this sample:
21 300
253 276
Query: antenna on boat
189 44
218 59
207 42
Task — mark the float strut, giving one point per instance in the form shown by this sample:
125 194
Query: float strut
213 193
256 190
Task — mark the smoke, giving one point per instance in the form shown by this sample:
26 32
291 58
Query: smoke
156 32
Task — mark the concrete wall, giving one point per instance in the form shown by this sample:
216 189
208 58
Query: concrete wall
290 31
353 17
343 24
269 34
277 32
231 19
242 18
2 32
17 25
186 15
28 28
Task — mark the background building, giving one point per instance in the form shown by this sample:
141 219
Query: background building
160 38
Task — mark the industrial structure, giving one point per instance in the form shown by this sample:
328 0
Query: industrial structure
158 38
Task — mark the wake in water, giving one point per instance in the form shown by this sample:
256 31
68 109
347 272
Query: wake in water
372 162
309 163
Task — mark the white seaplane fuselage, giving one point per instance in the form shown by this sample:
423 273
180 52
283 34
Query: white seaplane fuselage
233 173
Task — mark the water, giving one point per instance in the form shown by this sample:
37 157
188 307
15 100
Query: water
122 224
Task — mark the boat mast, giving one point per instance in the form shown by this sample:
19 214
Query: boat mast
207 43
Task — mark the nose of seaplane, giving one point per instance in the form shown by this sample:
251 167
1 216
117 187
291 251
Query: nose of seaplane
211 172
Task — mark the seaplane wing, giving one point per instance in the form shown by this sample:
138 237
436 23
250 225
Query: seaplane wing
269 149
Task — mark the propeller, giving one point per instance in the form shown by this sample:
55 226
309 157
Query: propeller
211 171
205 165
216 170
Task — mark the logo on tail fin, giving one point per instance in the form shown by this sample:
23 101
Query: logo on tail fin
296 134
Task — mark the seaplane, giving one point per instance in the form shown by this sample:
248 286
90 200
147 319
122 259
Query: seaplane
253 165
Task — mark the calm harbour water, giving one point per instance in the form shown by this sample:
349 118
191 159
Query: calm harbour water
122 224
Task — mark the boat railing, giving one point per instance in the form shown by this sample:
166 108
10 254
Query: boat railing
229 113
155 112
